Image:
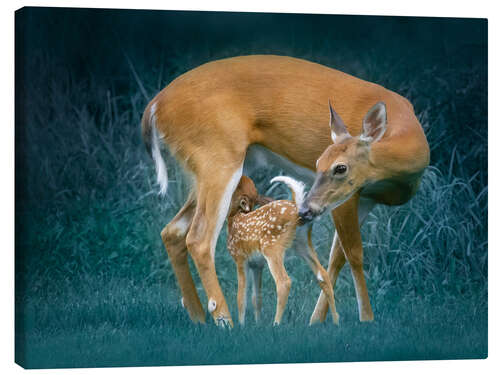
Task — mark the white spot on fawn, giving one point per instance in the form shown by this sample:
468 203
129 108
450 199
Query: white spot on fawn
211 305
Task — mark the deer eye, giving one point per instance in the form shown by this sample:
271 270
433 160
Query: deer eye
340 169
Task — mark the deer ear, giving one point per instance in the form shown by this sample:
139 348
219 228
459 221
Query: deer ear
374 123
337 126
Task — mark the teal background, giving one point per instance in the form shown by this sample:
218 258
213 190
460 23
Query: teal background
93 283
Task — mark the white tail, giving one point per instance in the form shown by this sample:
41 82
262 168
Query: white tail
149 125
161 167
295 186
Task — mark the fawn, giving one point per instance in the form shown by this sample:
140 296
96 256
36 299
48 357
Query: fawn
269 231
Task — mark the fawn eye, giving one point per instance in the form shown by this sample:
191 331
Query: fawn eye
244 204
340 169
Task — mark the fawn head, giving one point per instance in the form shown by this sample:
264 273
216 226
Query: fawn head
345 166
245 197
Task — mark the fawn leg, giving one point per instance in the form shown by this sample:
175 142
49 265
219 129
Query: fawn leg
323 278
242 291
255 267
283 282
338 259
306 250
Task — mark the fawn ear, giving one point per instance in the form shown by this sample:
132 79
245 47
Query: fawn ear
262 200
374 123
338 129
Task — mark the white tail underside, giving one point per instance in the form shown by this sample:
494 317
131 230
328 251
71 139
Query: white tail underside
296 186
161 168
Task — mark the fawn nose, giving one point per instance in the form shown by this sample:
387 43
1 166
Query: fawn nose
305 214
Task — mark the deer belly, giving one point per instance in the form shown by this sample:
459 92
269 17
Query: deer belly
258 157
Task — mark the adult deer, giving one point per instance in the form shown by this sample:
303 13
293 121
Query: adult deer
216 117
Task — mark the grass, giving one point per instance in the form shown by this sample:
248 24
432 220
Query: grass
93 283
128 326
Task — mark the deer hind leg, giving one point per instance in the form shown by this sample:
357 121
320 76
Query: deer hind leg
282 281
242 290
338 259
215 190
255 267
174 239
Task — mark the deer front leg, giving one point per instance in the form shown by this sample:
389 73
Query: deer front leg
323 278
326 287
346 222
305 248
337 261
335 264
174 239
282 281
242 290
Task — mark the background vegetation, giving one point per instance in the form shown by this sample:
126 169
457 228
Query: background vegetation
93 283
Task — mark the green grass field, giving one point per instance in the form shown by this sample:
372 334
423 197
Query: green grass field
93 282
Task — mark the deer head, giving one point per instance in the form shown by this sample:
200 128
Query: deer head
345 166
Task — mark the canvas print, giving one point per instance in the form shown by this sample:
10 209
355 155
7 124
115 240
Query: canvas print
199 188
